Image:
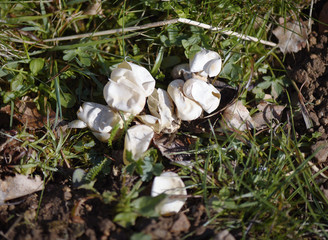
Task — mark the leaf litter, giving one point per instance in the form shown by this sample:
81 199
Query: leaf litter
19 186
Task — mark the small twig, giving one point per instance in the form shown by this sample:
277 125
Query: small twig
301 100
310 18
229 33
163 23
113 31
13 226
316 169
63 156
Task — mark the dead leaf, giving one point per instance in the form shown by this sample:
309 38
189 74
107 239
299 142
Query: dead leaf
182 224
19 186
224 235
267 114
94 9
174 147
26 113
237 116
292 35
321 147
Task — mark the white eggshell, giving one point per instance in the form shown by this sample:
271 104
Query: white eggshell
201 58
98 117
124 95
137 141
213 67
205 94
77 124
187 109
171 184
140 76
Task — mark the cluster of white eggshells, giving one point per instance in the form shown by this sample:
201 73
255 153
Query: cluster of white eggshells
129 88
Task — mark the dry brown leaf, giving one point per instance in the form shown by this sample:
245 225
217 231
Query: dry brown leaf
292 36
174 147
237 116
267 114
19 186
94 9
321 149
25 113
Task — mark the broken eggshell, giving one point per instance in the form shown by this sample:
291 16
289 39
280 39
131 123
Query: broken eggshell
206 63
137 74
137 141
161 106
156 124
151 121
124 95
186 108
100 119
170 184
205 94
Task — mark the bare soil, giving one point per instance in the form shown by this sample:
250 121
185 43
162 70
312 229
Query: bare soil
308 68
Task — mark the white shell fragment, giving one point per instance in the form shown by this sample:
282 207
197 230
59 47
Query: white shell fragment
77 124
151 121
137 141
101 136
237 116
161 106
206 95
124 95
100 119
171 184
187 109
206 62
139 75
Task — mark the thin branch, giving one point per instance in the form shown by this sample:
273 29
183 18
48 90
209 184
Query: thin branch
113 31
163 23
226 32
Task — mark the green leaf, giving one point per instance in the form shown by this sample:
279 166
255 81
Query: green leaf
8 96
259 94
146 205
69 55
158 61
84 58
16 84
147 167
36 65
165 40
78 177
264 85
140 236
173 34
170 61
67 100
126 219
108 196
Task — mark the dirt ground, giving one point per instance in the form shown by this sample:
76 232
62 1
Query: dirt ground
308 68
68 213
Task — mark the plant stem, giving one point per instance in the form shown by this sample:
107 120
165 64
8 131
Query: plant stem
163 23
